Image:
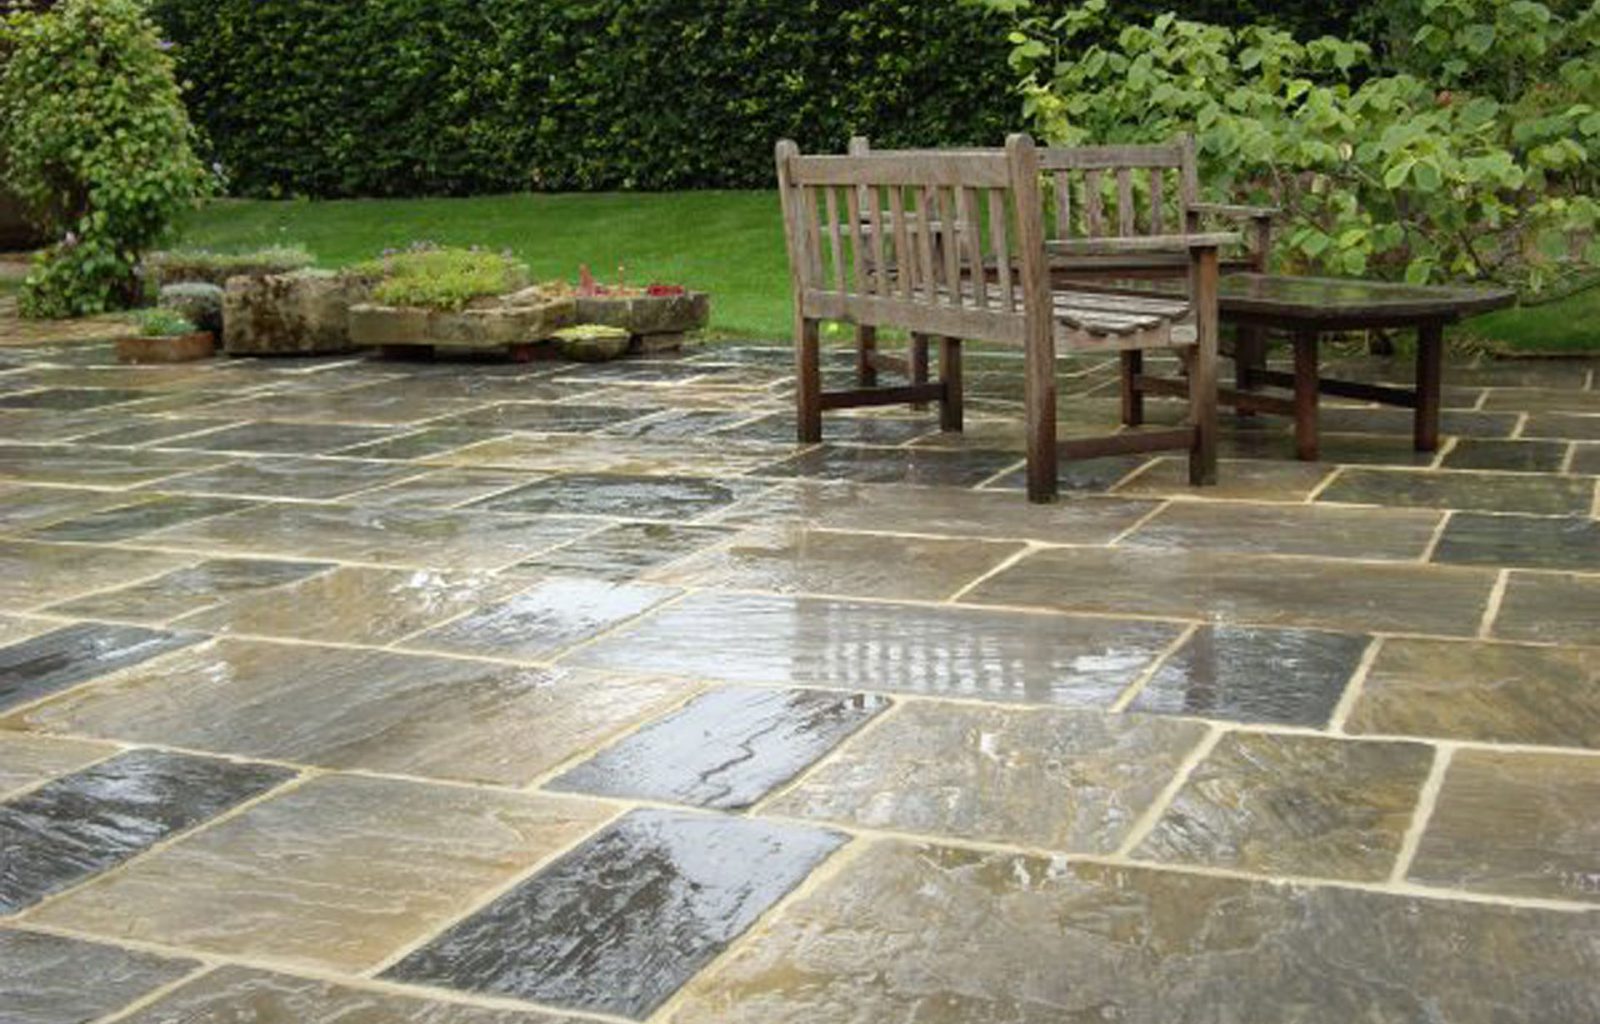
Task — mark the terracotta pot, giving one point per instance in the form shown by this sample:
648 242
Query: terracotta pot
170 348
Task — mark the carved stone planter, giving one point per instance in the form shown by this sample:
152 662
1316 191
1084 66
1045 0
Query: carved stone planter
305 313
171 348
657 323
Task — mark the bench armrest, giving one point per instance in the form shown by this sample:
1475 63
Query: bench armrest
1236 211
1142 244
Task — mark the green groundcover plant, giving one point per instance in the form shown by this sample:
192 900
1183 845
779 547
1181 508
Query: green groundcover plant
438 277
1470 150
96 143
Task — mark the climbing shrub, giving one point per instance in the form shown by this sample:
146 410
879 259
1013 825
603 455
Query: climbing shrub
1477 157
96 144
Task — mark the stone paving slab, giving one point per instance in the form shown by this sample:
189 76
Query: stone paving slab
360 691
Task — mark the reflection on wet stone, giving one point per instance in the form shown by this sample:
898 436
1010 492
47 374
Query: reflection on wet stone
444 488
1533 542
954 652
46 979
1294 805
633 497
1236 673
336 874
917 466
1288 530
620 923
190 589
363 709
1515 824
1496 693
235 995
1063 780
70 655
727 749
943 936
621 553
80 824
544 619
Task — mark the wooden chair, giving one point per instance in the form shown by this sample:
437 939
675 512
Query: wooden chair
952 245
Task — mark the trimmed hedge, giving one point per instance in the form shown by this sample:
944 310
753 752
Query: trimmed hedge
419 97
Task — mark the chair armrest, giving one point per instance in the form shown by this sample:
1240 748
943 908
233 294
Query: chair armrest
1142 244
1236 211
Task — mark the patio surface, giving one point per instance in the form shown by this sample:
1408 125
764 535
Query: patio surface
358 691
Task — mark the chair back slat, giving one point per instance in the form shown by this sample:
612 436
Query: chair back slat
858 256
835 242
904 264
1158 201
1125 207
1150 188
1000 246
1094 203
968 224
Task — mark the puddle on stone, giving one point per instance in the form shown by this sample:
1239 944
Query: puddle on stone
129 521
622 922
294 877
954 652
1529 542
673 499
65 657
188 590
621 553
48 979
1240 674
539 622
1307 806
81 824
727 749
1062 780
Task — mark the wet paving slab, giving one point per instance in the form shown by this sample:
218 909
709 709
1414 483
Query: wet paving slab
380 711
1564 426
1482 492
619 456
419 444
23 507
726 749
1519 456
915 932
126 522
352 604
190 589
27 760
228 995
1237 480
155 431
50 979
65 657
1395 535
1074 781
71 398
949 652
336 874
618 925
1244 674
624 552
33 574
77 826
1528 542
1483 692
856 430
667 498
1518 824
542 620
915 466
1306 806
1442 600
1081 476
679 425
1550 608
299 478
270 438
1586 459
795 559
97 467
442 488
549 418
461 539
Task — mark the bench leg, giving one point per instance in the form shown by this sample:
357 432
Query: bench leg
951 410
866 349
1203 371
1307 397
1039 407
919 365
1132 396
1430 384
808 371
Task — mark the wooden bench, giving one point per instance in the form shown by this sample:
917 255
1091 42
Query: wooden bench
952 245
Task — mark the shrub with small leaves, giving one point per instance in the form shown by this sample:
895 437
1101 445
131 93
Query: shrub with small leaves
442 278
163 323
97 145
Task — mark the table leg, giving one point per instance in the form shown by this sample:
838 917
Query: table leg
1430 380
1307 396
1249 355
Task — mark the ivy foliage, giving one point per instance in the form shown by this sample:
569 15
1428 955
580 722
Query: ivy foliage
97 145
1470 150
417 97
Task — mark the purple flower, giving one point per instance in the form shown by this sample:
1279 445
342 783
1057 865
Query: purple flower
164 45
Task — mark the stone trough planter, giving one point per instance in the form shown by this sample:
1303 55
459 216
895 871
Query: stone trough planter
657 323
511 324
304 313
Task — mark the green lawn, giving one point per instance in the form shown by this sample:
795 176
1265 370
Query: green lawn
727 243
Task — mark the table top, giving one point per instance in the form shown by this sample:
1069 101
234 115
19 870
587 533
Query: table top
1330 299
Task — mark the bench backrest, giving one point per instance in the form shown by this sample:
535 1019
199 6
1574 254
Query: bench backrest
893 238
1121 191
